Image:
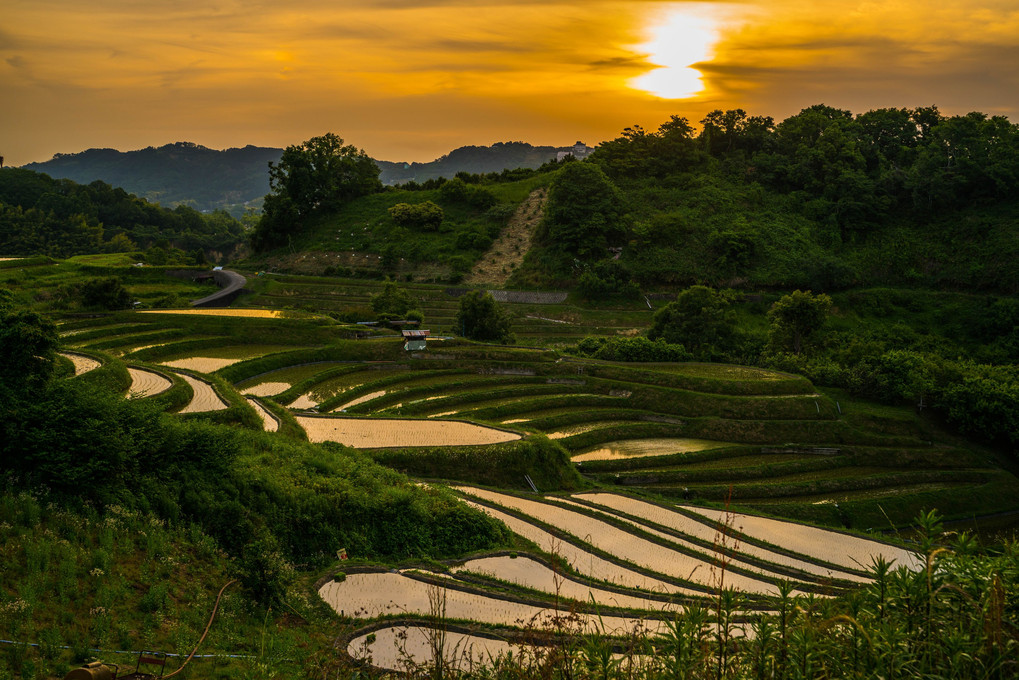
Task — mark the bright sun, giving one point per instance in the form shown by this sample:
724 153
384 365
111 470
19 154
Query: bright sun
682 37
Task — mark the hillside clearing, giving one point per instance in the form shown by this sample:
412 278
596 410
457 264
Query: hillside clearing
507 252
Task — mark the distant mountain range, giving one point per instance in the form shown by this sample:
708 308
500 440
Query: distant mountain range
207 179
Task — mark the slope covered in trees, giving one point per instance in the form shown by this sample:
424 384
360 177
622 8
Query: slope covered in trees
40 215
824 199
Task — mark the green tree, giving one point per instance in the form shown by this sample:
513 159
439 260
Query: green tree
392 301
583 216
319 176
103 293
699 319
27 346
481 318
796 318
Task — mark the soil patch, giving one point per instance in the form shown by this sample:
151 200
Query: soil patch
507 252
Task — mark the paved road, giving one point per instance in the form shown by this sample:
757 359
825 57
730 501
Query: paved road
230 285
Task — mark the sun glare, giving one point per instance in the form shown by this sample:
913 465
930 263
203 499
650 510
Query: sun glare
679 39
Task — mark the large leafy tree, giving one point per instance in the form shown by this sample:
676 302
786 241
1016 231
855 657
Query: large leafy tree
319 176
701 318
481 318
584 215
796 318
28 343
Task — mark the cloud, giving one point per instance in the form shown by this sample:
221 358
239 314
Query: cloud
472 71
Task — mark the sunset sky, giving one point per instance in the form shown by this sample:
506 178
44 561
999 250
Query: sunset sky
410 80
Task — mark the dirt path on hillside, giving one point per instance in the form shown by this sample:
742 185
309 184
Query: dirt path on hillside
507 252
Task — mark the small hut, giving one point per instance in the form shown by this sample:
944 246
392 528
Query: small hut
415 341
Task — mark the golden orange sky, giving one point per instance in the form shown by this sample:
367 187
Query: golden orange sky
411 80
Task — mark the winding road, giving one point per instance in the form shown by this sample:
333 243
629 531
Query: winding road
230 286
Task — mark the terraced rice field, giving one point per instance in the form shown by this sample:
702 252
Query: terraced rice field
636 448
212 360
201 364
641 552
269 422
146 383
694 526
226 311
205 397
681 431
370 433
371 595
394 646
530 573
282 379
595 548
830 546
82 363
266 389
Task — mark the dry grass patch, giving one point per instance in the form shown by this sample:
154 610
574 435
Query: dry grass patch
507 252
371 433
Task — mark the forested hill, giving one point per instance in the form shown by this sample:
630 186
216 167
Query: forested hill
179 173
473 159
825 200
232 179
40 215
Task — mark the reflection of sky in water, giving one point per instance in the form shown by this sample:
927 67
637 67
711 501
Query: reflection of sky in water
633 448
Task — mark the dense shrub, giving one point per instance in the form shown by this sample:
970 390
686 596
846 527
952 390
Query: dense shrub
425 215
632 349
